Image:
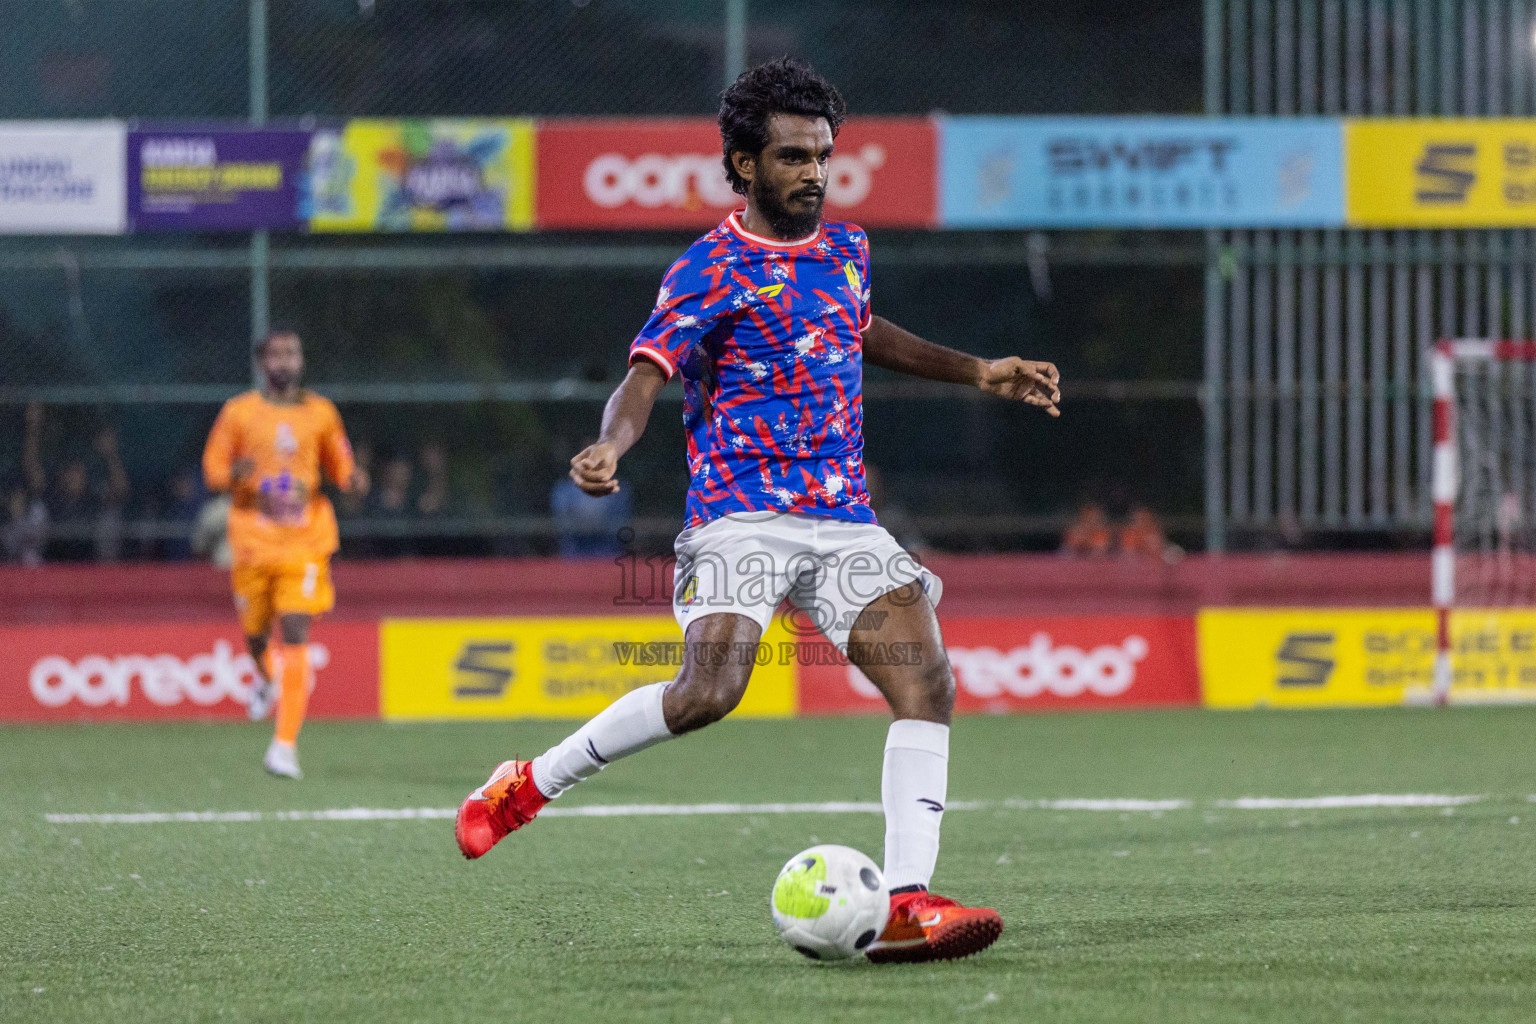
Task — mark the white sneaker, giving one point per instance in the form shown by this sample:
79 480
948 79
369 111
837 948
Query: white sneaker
282 760
263 696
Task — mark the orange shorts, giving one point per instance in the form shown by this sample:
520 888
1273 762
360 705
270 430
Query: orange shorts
263 592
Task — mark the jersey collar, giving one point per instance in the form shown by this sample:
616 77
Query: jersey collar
734 223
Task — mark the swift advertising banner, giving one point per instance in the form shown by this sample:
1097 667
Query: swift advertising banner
217 179
1328 657
552 667
1169 172
423 175
1031 664
62 177
1441 173
631 173
170 670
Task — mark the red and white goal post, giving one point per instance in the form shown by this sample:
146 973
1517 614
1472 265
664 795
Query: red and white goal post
1484 487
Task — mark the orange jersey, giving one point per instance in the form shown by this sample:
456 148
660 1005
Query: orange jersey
279 515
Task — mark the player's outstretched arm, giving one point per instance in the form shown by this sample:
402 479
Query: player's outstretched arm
1024 380
624 419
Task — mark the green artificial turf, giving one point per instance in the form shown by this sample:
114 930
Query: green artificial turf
1198 914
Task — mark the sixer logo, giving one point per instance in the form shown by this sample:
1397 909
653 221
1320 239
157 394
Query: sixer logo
1446 172
1305 659
667 173
170 670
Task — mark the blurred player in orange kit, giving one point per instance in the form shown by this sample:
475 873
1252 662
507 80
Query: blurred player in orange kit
268 448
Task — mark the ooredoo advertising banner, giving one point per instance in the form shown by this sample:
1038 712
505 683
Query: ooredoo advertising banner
553 667
667 173
170 670
1172 172
428 174
62 177
216 180
1032 664
1362 657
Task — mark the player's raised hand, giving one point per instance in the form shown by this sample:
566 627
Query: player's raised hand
593 469
358 482
1026 380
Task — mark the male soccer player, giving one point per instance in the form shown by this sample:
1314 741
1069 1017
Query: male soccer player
268 448
767 319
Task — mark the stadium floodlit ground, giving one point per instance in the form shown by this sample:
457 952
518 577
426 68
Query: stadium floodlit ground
1136 881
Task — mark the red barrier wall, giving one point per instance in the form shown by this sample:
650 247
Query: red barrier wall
973 585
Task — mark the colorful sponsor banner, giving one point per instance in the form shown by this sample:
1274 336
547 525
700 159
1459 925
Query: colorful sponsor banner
1328 657
423 175
62 177
551 667
217 179
1031 664
1441 173
667 173
170 670
1171 172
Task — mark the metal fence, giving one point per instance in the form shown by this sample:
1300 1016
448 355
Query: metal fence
1318 400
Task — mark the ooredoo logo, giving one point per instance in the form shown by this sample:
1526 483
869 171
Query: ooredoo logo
164 679
688 180
1038 668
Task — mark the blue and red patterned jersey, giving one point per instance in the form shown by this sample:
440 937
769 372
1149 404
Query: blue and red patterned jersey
767 337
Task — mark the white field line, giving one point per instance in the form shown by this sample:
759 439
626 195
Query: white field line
1329 803
1256 803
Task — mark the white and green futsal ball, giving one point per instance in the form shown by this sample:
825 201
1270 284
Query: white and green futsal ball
829 902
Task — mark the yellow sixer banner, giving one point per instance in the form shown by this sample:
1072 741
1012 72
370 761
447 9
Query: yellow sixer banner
426 174
1440 173
551 667
1332 657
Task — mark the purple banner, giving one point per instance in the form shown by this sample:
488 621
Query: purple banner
216 180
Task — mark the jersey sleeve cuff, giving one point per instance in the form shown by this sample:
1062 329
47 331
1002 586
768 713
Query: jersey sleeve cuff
869 318
654 355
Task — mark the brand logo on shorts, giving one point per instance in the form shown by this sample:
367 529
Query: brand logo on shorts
690 592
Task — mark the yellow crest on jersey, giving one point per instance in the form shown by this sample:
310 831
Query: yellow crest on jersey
854 280
771 291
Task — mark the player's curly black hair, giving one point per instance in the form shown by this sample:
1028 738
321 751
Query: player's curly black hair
783 86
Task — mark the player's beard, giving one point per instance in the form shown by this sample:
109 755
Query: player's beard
785 222
281 380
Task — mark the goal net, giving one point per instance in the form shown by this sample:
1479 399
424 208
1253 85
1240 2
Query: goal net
1484 561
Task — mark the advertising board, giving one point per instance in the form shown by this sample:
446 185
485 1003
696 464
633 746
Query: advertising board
62 177
425 174
1170 172
630 173
170 670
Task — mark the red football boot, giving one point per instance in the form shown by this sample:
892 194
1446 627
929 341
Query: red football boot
508 801
923 926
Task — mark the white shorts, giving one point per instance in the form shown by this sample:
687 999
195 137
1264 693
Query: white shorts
746 563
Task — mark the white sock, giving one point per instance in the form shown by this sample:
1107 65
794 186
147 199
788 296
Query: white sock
913 787
628 725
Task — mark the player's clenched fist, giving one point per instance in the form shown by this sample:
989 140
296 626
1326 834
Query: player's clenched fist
593 468
1026 380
